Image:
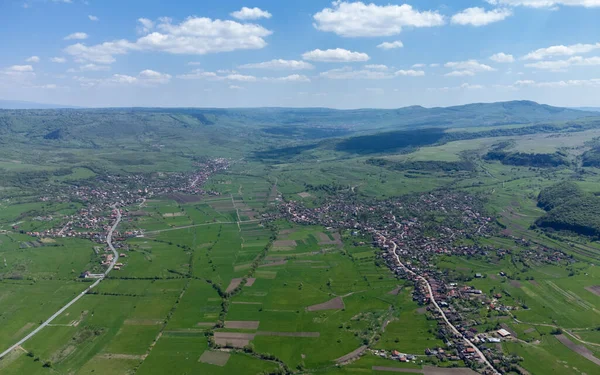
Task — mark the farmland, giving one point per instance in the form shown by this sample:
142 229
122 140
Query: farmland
243 258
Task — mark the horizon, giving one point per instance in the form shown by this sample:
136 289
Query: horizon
50 106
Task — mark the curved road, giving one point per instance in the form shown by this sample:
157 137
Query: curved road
456 332
65 307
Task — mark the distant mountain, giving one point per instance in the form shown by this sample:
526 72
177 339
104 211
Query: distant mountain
590 109
15 104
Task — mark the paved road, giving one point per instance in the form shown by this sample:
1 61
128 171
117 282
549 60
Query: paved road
65 307
456 332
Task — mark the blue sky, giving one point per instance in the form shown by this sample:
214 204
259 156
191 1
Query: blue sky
341 54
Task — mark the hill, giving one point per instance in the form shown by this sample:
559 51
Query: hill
16 104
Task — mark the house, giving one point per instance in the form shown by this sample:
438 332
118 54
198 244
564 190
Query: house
493 339
85 275
478 275
503 333
470 350
395 353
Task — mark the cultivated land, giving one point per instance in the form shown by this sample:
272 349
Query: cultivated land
250 247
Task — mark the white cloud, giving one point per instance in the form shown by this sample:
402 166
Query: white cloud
76 36
368 73
144 78
559 65
234 87
502 58
21 68
472 65
593 82
434 65
561 50
194 36
335 55
418 66
547 3
33 59
279 64
145 25
358 19
376 67
460 73
58 60
290 78
198 74
240 78
464 86
90 68
480 17
250 14
410 73
391 45
93 18
349 73
193 63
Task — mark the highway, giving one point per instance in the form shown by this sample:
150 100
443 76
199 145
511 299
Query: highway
78 297
456 332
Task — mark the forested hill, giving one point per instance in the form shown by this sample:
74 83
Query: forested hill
294 121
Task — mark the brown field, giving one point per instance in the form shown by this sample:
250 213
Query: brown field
325 240
395 291
579 349
233 284
334 304
203 324
352 355
427 370
304 195
273 264
214 358
285 243
515 284
237 340
250 281
397 369
143 322
236 324
594 289
533 282
174 214
183 198
289 334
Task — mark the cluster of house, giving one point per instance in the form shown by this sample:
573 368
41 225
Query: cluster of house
395 355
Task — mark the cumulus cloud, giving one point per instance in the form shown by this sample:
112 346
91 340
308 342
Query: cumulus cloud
547 3
470 65
391 45
20 68
376 67
464 86
58 60
368 73
418 66
561 50
358 19
90 68
559 65
502 58
144 78
250 14
335 55
93 18
76 36
33 59
460 73
290 78
480 17
410 73
144 25
279 64
593 82
195 36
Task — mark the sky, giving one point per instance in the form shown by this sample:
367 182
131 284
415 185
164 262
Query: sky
309 53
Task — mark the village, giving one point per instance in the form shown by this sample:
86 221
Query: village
102 196
404 229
